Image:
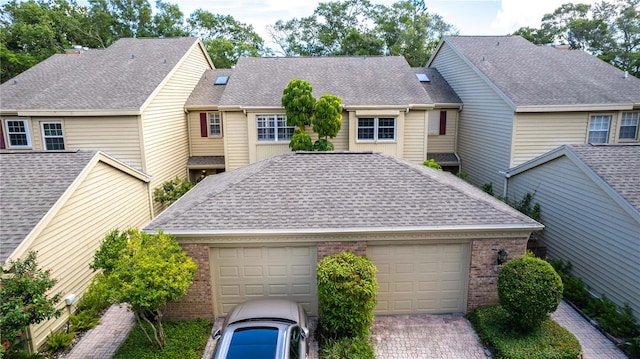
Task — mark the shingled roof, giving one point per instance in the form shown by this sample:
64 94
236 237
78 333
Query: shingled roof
120 77
359 81
532 75
335 192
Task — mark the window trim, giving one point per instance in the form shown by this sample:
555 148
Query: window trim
376 127
44 136
276 128
591 118
209 129
637 118
27 132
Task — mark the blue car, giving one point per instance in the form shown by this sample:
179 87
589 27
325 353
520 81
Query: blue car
264 329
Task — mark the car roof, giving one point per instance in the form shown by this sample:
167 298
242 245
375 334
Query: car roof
270 308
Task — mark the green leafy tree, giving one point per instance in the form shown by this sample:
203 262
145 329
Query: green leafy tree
298 102
327 120
171 190
168 21
108 254
24 300
151 271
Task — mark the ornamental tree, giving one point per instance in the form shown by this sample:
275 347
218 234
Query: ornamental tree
327 119
24 300
298 102
150 271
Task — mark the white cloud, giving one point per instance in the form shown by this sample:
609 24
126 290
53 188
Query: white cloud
515 14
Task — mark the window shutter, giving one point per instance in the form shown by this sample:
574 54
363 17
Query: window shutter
203 125
443 122
2 145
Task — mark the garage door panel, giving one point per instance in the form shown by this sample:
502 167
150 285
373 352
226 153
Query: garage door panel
426 278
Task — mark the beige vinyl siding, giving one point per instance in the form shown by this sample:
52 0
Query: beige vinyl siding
415 140
341 141
393 148
203 146
485 124
105 200
166 141
443 143
586 227
236 140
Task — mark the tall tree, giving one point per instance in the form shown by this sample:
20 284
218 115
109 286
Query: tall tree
124 18
168 21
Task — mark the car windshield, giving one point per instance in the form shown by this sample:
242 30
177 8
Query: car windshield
254 343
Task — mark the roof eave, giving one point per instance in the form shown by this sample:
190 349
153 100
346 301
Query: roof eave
577 107
79 112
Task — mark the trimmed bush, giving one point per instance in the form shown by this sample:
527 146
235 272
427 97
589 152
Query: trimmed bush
529 289
347 288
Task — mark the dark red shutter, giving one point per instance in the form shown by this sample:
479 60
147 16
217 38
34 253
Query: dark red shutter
203 125
2 145
443 122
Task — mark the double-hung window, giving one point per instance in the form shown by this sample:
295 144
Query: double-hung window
18 133
273 128
599 128
215 124
376 129
629 126
52 136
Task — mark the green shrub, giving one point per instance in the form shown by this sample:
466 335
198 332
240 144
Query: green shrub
300 141
170 191
24 355
323 145
84 320
96 298
632 348
488 188
347 348
431 163
549 340
108 253
616 321
58 341
574 288
347 288
529 289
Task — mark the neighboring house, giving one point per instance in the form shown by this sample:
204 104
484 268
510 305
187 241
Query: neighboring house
236 116
126 100
62 204
590 205
260 230
522 100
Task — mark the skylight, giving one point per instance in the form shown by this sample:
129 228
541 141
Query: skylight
423 77
221 80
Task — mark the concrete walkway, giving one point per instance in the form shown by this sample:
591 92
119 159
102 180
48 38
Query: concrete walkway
403 336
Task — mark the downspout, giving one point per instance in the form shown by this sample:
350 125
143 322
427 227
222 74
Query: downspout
506 184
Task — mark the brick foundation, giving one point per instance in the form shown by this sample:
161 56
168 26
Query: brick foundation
330 248
483 275
198 302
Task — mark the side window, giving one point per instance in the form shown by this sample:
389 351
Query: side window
294 343
18 135
599 129
215 124
376 129
629 126
273 128
52 136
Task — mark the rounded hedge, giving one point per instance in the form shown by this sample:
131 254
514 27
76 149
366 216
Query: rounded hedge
347 287
529 289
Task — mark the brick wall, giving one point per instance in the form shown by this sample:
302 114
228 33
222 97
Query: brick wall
198 302
329 248
483 275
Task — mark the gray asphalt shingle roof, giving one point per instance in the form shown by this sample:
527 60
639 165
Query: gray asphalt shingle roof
532 75
617 165
206 93
333 191
30 184
122 76
437 87
357 80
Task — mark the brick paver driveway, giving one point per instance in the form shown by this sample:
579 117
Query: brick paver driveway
425 336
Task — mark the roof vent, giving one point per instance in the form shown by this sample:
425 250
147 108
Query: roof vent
133 56
423 77
221 80
626 74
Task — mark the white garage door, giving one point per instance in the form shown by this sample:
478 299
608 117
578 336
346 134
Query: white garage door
429 278
240 274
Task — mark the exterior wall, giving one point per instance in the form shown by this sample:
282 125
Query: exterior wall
198 302
443 143
164 123
341 141
393 148
330 248
485 123
107 199
203 146
236 140
585 226
483 272
415 138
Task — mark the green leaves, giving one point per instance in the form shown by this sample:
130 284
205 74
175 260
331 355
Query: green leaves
327 119
298 102
170 191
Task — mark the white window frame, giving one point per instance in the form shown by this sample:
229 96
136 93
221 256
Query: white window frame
214 119
27 132
45 136
631 117
596 123
376 129
273 123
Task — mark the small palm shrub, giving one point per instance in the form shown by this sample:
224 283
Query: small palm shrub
529 289
58 341
347 287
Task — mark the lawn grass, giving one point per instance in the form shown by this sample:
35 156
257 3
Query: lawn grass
550 341
184 340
